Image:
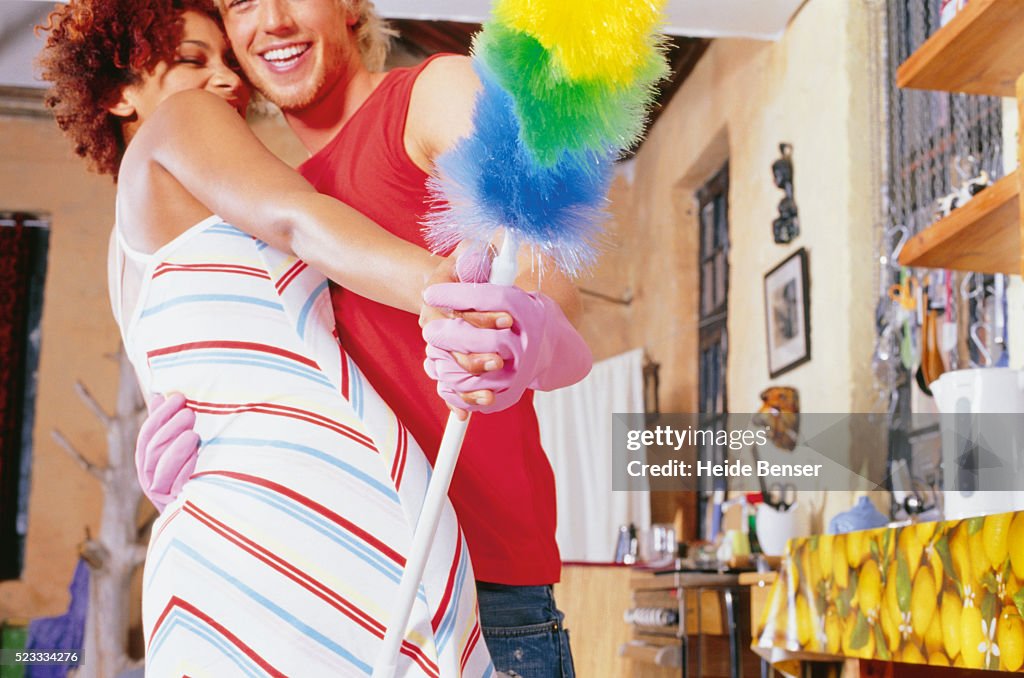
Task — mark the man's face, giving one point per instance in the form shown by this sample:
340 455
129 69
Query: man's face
293 51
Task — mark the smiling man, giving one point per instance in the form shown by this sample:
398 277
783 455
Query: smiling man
373 138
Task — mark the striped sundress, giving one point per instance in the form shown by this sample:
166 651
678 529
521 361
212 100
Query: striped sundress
282 554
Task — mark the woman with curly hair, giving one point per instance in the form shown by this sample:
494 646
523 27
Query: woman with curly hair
285 547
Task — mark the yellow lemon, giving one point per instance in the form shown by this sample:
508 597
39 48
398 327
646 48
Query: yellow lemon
922 601
912 654
971 638
825 554
958 662
869 587
892 601
804 625
911 548
1010 639
994 535
938 659
937 571
951 629
833 632
1016 545
933 636
840 568
958 551
890 629
855 549
979 561
813 570
925 531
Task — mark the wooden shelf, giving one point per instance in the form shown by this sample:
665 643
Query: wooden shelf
977 52
983 235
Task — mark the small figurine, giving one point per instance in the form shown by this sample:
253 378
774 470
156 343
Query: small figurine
786 227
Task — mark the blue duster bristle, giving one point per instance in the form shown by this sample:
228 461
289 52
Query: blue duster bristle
490 180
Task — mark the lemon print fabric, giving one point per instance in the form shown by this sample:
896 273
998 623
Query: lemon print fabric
944 594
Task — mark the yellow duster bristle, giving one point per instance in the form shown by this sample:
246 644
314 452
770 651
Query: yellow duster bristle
609 40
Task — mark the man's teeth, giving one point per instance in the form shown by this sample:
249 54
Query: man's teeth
285 53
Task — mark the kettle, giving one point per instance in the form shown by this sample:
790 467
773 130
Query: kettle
980 440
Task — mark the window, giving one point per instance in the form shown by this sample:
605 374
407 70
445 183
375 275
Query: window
713 203
24 240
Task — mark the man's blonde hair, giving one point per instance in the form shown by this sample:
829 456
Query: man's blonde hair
373 34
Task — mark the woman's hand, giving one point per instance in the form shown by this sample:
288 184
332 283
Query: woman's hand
167 449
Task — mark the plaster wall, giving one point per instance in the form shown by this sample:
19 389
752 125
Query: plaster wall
811 89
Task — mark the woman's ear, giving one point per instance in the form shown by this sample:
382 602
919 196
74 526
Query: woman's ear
124 107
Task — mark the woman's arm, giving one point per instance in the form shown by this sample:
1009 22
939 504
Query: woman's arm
207 147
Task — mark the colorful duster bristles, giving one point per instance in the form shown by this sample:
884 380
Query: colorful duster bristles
566 86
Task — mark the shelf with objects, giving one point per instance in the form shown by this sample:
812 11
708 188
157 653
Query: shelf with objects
976 53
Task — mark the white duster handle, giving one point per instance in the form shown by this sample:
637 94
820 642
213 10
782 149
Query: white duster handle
503 272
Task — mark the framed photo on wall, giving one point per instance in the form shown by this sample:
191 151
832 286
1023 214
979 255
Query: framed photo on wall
787 312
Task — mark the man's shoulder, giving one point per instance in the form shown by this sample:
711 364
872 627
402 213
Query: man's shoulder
441 107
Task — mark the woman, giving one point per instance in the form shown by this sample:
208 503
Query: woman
284 550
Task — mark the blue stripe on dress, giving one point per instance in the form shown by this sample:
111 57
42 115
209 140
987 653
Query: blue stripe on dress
178 618
203 298
308 306
355 387
333 460
447 626
332 531
285 366
275 609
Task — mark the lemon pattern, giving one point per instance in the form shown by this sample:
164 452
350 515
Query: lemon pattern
944 594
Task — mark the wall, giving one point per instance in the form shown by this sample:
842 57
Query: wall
810 89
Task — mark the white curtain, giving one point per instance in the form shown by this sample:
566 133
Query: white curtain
576 431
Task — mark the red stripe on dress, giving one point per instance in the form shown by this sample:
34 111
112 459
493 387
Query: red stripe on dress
210 268
170 518
311 584
284 411
240 345
175 601
467 652
402 454
344 372
316 507
442 606
291 274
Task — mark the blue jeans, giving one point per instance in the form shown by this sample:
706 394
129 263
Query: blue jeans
524 632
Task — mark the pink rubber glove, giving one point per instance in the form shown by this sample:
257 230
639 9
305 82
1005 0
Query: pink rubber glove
167 449
542 350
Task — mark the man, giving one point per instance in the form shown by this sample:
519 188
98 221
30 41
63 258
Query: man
373 139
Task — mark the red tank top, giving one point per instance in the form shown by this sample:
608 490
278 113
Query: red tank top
503 489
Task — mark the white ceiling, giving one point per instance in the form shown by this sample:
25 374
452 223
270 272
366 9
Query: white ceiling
759 19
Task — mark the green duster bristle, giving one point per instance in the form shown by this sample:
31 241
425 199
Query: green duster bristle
558 114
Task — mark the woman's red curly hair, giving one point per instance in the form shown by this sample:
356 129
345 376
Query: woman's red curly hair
94 48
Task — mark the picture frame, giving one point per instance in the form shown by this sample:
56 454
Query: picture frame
787 312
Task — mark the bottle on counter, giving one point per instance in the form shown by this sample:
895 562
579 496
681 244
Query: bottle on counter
750 507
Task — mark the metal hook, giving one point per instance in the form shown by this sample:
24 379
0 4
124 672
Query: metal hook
975 293
980 345
904 232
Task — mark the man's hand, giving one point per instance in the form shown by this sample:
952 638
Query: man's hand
467 265
167 449
541 350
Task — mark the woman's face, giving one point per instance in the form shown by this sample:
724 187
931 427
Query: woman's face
203 60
